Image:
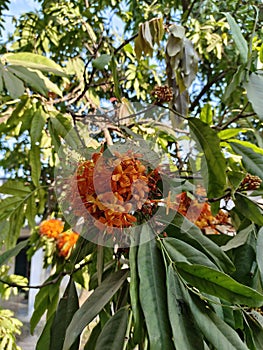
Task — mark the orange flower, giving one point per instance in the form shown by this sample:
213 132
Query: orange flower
51 228
66 241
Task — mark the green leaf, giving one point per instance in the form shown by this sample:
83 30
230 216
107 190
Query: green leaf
12 252
134 295
248 209
102 61
219 284
235 82
31 210
209 144
44 339
117 90
238 37
239 239
152 290
35 164
67 307
112 335
206 115
16 188
14 86
252 160
186 335
256 329
91 343
254 88
230 133
30 77
259 255
180 251
214 329
184 230
93 305
37 126
34 61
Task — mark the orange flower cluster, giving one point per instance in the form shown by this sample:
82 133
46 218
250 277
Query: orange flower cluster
53 229
122 185
66 241
198 212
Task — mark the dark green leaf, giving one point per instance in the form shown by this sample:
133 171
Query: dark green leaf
219 284
37 126
185 332
112 335
248 209
93 306
239 239
152 291
183 229
67 307
215 165
16 188
256 330
44 339
35 164
259 250
91 343
179 250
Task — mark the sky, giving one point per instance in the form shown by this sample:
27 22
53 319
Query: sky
16 8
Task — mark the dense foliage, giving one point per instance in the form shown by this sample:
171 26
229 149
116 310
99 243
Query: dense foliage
162 102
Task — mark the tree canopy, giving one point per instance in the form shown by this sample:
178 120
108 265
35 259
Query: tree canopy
131 147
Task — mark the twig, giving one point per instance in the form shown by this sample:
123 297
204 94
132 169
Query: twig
125 43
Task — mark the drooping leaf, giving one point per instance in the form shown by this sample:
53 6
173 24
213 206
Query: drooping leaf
34 61
219 284
184 230
248 208
206 114
152 291
238 37
214 329
252 160
256 329
93 305
91 343
209 144
239 239
37 125
67 307
35 164
43 342
186 335
134 295
179 250
14 86
254 88
113 333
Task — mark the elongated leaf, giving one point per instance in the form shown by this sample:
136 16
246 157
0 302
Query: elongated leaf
186 335
12 252
67 307
31 210
14 85
16 188
254 88
209 143
112 335
183 229
240 41
37 126
256 330
259 250
239 239
93 306
134 295
180 251
43 342
91 343
252 161
219 284
30 77
230 133
34 161
152 289
35 61
248 209
214 329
